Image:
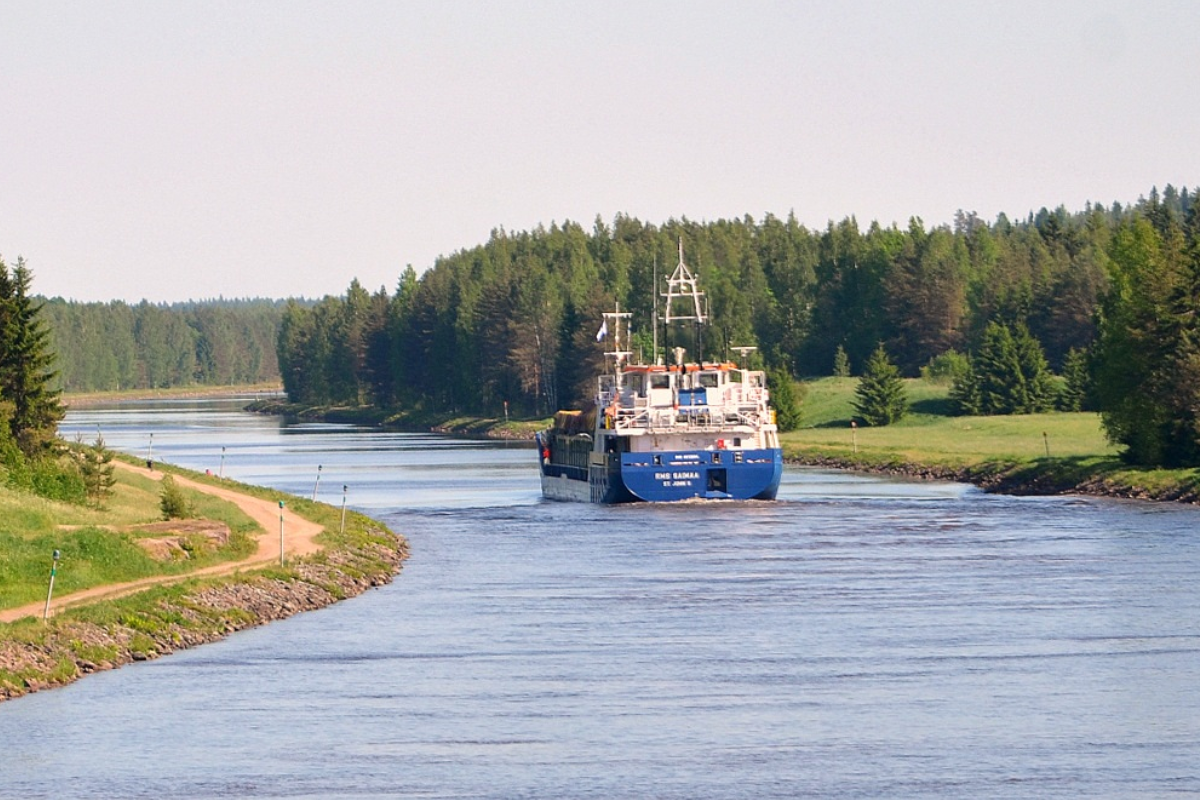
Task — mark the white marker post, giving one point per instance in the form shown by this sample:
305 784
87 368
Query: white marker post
50 591
281 533
221 471
344 488
318 483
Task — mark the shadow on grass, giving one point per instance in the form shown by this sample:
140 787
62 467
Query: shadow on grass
833 423
934 406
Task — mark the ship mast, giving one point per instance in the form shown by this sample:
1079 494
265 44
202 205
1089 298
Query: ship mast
617 354
683 286
654 317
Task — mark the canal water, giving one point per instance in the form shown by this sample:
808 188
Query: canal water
858 638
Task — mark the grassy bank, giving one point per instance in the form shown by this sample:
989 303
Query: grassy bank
105 546
100 548
928 435
407 419
84 399
1036 453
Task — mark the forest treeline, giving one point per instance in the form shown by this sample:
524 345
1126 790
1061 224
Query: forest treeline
115 345
512 322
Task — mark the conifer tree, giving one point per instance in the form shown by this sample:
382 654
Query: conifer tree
841 363
1008 375
1034 371
784 400
173 501
26 363
1077 390
997 372
96 467
880 398
964 391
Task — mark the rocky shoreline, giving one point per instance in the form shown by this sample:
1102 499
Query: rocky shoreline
1001 478
209 612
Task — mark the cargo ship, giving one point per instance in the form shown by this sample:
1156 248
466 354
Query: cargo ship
659 433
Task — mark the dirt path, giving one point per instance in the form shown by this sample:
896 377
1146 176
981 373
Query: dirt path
299 540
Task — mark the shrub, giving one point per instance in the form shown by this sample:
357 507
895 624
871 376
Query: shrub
946 368
57 479
174 504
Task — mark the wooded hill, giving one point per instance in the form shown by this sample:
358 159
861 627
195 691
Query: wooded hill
111 346
514 320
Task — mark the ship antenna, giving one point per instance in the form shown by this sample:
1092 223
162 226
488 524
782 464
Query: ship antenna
618 355
654 320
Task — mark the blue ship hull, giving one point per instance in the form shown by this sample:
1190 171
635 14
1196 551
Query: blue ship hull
707 474
670 476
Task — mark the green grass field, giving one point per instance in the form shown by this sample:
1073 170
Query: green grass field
97 545
360 552
928 435
1038 452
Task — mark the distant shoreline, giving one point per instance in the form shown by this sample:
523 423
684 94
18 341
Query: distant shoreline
85 399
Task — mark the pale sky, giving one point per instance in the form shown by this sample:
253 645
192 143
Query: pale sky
185 150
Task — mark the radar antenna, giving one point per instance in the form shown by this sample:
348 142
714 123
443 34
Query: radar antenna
743 352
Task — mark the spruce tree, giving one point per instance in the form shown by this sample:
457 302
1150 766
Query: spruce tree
173 501
880 398
1077 390
1008 375
841 363
96 467
784 400
1035 373
964 391
26 363
998 376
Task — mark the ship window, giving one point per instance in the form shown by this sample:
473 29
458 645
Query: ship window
658 461
708 380
716 458
660 380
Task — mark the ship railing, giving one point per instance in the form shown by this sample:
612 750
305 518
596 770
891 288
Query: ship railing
693 419
740 394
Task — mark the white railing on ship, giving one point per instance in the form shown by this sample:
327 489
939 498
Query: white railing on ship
694 419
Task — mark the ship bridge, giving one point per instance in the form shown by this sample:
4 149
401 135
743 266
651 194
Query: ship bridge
708 398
